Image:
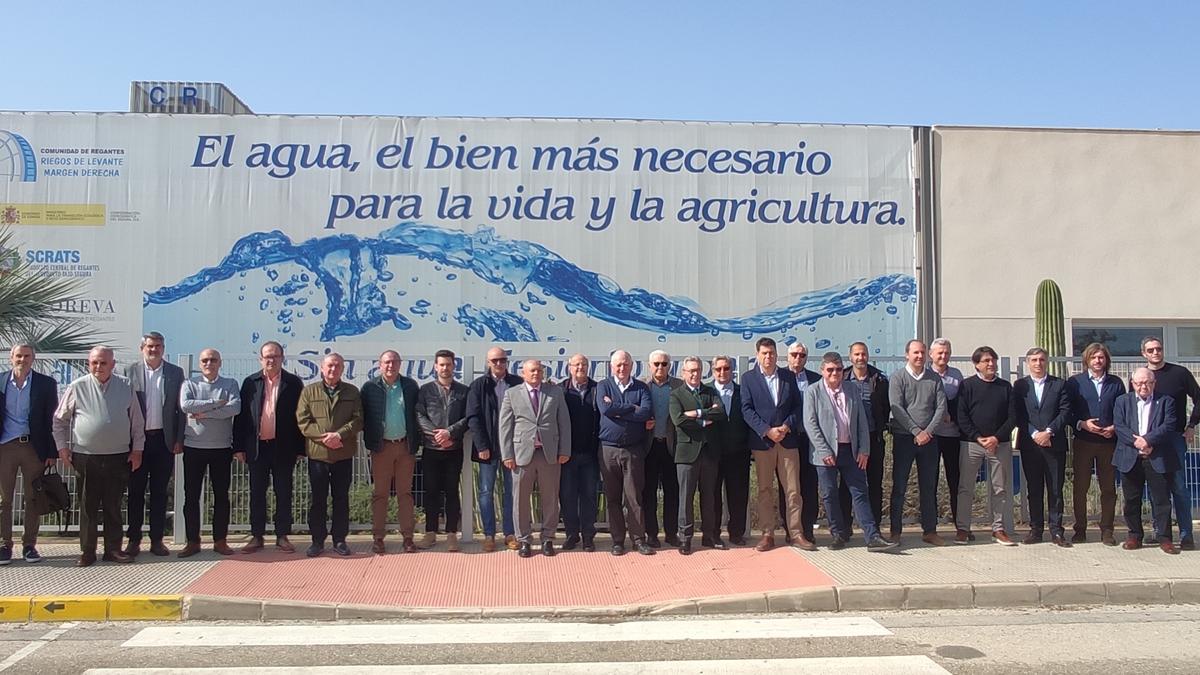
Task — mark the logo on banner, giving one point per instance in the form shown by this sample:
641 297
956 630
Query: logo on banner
17 161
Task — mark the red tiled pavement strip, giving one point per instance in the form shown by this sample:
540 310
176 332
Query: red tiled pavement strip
502 579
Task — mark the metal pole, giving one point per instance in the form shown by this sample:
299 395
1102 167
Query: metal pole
466 482
184 361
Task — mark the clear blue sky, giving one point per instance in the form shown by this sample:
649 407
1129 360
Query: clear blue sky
1045 63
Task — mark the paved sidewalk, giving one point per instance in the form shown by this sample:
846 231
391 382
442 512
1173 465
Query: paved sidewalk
271 584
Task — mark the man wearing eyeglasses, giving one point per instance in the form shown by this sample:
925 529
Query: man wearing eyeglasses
156 383
660 453
1177 383
211 403
1147 455
728 438
266 437
809 484
483 419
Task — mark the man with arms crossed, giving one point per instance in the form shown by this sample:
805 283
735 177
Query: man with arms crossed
624 405
695 406
211 402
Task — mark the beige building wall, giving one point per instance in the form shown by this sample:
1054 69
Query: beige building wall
1112 216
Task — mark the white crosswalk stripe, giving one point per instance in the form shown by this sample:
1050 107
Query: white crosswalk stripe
851 665
513 633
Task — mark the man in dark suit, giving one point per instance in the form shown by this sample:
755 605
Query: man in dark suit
483 419
1043 413
442 416
267 438
392 436
580 485
810 494
728 438
1178 383
156 384
771 408
660 452
27 403
1092 394
695 407
1147 454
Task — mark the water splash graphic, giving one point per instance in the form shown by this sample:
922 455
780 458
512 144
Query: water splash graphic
353 274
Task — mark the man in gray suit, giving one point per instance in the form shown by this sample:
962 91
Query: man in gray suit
156 384
535 440
839 435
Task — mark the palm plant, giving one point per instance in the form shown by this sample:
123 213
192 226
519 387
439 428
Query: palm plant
30 305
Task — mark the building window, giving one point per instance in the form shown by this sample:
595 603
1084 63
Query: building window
1120 340
1188 339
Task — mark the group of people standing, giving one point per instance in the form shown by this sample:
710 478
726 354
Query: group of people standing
815 437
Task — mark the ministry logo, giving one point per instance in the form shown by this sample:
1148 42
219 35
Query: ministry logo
17 161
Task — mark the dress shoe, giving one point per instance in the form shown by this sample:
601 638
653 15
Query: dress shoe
1032 538
685 547
571 542
961 537
895 535
1132 543
314 550
284 545
489 544
837 544
618 550
1081 537
1106 538
970 536
192 548
378 547
589 546
803 543
1187 544
653 542
132 549
933 539
737 541
221 547
765 544
548 549
452 542
1060 541
644 548
30 554
428 541
86 560
410 546
341 548
524 549
116 556
255 544
1167 547
673 541
511 543
879 544
717 543
1001 537
158 548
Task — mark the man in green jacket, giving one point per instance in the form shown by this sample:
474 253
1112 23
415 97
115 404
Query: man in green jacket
694 407
330 417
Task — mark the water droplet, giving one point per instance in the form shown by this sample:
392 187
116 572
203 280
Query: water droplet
812 328
272 275
254 337
662 338
892 309
524 307
822 344
241 297
415 279
242 287
401 322
746 335
550 316
263 305
562 350
451 277
316 310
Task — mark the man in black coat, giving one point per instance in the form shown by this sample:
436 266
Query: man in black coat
27 403
1043 415
483 420
580 485
267 438
728 438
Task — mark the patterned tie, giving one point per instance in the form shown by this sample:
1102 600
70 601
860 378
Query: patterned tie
536 402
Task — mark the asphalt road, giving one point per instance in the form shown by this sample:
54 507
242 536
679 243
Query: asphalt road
1117 640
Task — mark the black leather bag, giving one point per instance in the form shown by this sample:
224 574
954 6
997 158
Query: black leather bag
50 494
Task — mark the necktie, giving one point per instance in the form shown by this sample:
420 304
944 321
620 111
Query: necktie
536 403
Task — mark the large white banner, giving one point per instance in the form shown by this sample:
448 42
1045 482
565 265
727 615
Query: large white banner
549 236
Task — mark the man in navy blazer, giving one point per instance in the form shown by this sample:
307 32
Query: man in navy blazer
483 419
1092 395
624 405
771 408
1147 453
1043 414
27 403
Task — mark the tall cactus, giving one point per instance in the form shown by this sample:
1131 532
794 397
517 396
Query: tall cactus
1048 324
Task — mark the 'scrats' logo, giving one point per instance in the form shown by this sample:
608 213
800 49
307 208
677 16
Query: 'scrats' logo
17 161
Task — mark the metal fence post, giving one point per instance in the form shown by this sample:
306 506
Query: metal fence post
466 482
179 536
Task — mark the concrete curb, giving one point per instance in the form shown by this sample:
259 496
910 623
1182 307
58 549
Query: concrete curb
815 599
29 608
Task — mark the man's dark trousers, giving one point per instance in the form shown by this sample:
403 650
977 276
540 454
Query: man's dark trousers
158 463
274 467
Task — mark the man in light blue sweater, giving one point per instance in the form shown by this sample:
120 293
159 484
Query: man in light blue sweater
210 402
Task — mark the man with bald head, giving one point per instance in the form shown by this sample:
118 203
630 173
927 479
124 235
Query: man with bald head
624 404
1147 455
330 417
100 432
483 420
660 453
211 403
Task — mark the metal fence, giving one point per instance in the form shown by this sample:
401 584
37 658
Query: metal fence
359 369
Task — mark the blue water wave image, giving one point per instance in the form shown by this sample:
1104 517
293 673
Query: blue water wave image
353 274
